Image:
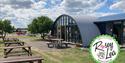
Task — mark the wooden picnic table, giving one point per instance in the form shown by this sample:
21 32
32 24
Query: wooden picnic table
21 59
7 44
8 50
57 42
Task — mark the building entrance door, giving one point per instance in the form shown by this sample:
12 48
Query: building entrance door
117 31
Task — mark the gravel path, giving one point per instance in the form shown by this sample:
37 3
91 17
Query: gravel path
42 45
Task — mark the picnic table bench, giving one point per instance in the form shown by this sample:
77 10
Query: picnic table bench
54 42
7 50
30 59
57 42
11 39
10 43
65 43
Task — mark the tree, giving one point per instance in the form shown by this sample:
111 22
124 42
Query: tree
40 25
5 27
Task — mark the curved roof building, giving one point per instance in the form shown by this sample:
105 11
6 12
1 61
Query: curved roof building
75 29
82 29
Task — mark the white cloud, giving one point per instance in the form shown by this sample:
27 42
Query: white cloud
118 5
39 5
19 16
83 6
21 12
101 14
17 3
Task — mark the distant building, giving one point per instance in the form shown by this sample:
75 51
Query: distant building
82 29
21 31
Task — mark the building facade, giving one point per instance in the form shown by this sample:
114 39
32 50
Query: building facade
82 29
113 25
65 27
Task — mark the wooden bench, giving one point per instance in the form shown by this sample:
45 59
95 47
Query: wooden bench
50 44
65 43
30 59
10 43
7 50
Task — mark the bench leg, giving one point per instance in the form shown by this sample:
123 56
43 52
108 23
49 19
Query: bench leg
39 61
50 45
66 45
30 53
31 62
5 54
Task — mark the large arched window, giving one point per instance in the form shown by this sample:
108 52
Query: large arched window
65 27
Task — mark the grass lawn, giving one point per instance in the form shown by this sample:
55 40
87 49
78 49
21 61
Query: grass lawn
69 55
73 55
121 57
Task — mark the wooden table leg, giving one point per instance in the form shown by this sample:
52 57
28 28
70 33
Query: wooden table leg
31 62
30 53
9 51
22 43
56 44
6 45
5 53
39 61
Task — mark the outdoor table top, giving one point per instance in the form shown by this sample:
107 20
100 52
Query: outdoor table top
57 39
15 47
12 42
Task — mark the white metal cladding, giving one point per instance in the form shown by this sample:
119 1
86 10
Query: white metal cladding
87 28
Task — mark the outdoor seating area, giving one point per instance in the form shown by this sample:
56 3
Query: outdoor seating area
57 43
8 50
16 51
62 31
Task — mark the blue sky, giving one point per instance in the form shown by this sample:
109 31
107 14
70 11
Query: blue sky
105 8
22 12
